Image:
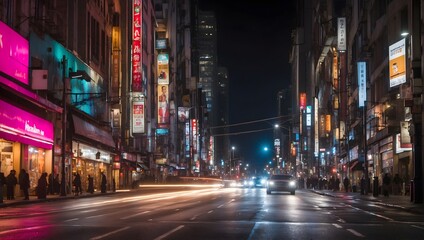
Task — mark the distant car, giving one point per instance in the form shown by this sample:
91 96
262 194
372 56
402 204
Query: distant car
282 183
260 182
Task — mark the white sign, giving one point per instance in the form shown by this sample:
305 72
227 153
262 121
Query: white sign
341 34
362 83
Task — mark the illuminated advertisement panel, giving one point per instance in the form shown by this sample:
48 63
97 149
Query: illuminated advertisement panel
302 101
341 34
397 62
194 134
14 54
163 68
187 139
335 71
183 114
316 137
116 62
362 83
137 116
136 47
19 125
163 106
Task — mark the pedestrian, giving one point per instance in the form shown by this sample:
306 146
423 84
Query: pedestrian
103 183
42 186
113 185
90 187
11 182
2 182
397 181
386 184
337 185
346 184
56 184
50 189
77 184
24 183
363 185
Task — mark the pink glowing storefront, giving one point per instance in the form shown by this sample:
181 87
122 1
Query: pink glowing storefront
26 136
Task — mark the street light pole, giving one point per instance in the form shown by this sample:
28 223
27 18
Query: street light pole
231 161
64 116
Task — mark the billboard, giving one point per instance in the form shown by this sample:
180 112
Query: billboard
163 105
163 68
137 117
14 54
362 83
183 114
136 47
341 34
397 63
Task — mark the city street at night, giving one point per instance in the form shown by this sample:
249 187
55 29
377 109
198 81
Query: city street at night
211 212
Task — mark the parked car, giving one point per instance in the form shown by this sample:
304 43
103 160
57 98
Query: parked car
282 183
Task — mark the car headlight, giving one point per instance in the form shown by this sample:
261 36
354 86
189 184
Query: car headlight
271 183
263 181
250 183
292 183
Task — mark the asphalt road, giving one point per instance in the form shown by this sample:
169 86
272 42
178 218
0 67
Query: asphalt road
208 213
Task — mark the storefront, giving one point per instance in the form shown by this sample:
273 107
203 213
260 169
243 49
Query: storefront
26 142
93 151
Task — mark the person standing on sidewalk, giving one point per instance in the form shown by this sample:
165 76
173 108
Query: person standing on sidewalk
90 188
24 183
103 183
11 182
42 187
386 184
2 182
77 184
346 184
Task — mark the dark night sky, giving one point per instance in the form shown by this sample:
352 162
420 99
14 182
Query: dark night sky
253 44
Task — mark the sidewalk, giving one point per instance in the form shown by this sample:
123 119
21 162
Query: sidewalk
56 197
393 201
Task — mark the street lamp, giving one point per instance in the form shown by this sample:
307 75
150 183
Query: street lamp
74 75
231 161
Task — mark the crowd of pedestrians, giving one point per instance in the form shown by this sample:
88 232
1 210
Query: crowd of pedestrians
46 185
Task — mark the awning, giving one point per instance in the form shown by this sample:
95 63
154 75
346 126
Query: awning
92 132
143 166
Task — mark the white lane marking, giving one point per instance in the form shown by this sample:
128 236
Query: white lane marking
341 220
177 209
371 213
134 215
415 226
70 220
337 225
109 233
220 206
96 216
169 233
91 210
211 211
194 217
355 233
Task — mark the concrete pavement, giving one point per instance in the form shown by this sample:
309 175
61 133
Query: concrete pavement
55 197
393 201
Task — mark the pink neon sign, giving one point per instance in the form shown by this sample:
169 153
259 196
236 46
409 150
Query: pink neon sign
18 122
136 47
14 54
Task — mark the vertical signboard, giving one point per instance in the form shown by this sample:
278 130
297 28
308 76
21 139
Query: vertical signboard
137 116
187 139
341 34
316 135
362 83
302 101
163 68
163 106
14 54
136 47
116 63
397 63
335 71
308 116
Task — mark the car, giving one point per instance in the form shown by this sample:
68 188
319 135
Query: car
282 183
260 182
